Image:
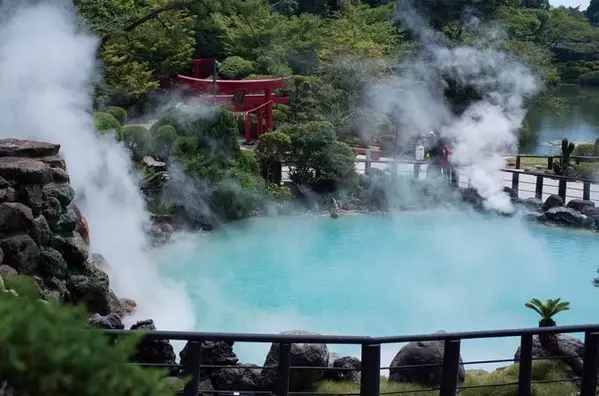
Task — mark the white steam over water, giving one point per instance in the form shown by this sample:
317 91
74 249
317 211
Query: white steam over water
47 69
486 131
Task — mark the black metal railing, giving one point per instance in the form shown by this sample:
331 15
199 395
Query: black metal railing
550 158
370 371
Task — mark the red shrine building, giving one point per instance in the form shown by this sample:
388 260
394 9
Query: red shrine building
241 96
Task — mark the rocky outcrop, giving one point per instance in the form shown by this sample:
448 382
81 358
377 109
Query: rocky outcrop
577 213
428 357
344 369
152 351
38 228
303 355
553 201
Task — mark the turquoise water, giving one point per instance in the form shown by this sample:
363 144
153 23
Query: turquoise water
385 275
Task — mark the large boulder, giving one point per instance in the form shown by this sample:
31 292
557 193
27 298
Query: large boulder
15 217
90 286
570 345
580 204
27 148
20 252
533 204
74 249
552 201
152 351
25 170
421 354
31 195
63 192
567 217
244 377
41 232
109 322
347 370
52 264
214 353
304 355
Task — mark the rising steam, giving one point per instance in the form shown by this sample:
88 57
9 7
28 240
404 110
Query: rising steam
47 70
486 130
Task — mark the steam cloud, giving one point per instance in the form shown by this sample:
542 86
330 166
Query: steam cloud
486 131
47 71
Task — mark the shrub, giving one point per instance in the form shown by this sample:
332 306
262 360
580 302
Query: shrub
591 78
236 67
117 112
163 140
587 170
23 285
48 350
106 122
590 65
249 161
574 72
279 193
586 149
138 140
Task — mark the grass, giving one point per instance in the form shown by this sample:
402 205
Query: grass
542 370
527 162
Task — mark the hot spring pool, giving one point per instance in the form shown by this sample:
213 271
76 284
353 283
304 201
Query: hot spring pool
385 275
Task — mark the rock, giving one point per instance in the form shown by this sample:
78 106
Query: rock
8 194
214 353
52 209
533 204
350 370
63 192
590 211
52 264
21 253
580 204
109 322
25 170
567 216
150 162
152 351
82 227
4 183
31 195
27 148
128 305
472 197
1 257
66 224
54 161
534 217
73 249
59 286
91 288
306 355
421 353
571 346
60 175
40 232
6 270
552 201
245 377
15 217
510 192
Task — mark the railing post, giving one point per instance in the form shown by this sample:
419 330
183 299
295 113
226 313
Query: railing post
517 162
586 191
367 164
416 170
370 381
451 367
550 162
539 187
194 359
525 373
561 189
283 369
515 182
591 363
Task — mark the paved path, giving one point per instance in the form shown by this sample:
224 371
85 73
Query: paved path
526 189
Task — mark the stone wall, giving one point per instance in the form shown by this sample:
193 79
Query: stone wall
40 228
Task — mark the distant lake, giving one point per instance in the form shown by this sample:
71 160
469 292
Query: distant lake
579 123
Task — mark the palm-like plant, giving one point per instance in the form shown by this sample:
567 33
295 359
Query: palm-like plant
548 310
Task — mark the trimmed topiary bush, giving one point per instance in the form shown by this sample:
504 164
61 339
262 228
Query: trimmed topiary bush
591 78
235 67
106 123
117 112
163 140
138 140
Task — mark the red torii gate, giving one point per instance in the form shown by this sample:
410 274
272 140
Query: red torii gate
242 96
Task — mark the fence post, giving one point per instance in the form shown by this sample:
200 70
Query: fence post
586 191
416 170
550 162
561 189
194 353
283 369
525 372
517 162
451 366
515 181
370 381
539 187
591 362
367 164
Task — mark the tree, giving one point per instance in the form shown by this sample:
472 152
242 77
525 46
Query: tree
547 310
592 12
271 150
48 350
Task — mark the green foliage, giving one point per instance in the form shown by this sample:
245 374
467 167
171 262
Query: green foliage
548 309
106 123
586 150
279 193
590 78
587 170
248 161
235 67
138 140
163 140
273 145
47 350
117 112
560 166
24 286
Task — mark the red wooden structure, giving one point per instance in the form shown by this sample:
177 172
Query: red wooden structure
242 96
